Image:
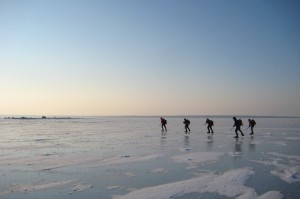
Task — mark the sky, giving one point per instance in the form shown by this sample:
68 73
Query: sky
142 57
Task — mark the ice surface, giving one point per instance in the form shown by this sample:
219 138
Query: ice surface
34 187
292 138
159 170
198 158
287 167
129 157
230 184
126 159
112 187
81 187
271 195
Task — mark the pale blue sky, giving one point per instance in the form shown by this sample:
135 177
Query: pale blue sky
166 57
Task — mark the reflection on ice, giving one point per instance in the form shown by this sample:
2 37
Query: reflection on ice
186 141
252 144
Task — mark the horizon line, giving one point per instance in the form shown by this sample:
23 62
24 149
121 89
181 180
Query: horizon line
175 115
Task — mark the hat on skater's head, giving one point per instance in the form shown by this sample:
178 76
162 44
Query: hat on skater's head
234 118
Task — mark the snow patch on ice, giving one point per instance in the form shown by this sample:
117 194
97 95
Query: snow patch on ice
81 187
112 187
159 170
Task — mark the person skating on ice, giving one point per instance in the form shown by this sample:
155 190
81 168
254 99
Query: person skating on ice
209 123
163 122
186 123
237 124
252 123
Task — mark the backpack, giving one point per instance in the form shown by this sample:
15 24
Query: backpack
211 122
240 122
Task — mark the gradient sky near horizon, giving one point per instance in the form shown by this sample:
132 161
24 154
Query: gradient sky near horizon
158 57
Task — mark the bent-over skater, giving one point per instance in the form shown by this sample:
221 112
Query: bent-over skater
186 123
252 123
163 122
209 123
237 124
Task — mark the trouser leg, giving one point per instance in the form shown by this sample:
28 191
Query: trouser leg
236 130
241 131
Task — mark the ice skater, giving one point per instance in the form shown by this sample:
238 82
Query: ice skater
237 124
209 123
186 123
252 123
163 122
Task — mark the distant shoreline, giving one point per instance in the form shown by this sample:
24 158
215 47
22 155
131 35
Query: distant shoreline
39 118
142 116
